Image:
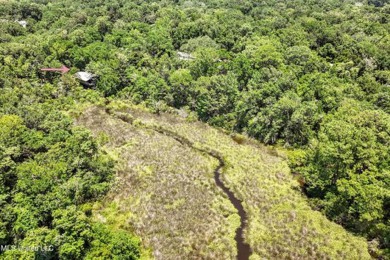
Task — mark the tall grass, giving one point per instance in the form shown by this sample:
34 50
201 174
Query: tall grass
170 191
181 214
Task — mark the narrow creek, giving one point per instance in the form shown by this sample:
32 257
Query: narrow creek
243 249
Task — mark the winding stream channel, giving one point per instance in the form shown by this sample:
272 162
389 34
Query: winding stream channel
243 249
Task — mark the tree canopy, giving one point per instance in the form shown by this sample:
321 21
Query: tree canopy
312 76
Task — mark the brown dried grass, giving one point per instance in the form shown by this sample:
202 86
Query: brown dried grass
180 212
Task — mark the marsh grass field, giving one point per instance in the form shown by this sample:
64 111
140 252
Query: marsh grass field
169 190
213 129
166 193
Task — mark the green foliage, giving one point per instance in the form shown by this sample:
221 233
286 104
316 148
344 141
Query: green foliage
214 97
194 44
347 167
113 244
278 71
48 170
41 176
181 82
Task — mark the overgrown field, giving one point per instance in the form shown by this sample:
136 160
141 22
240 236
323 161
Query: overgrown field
178 210
170 191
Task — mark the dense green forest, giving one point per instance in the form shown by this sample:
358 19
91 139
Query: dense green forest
309 76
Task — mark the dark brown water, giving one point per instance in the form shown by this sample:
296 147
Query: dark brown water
243 249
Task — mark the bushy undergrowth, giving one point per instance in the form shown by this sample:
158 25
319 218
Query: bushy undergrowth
50 173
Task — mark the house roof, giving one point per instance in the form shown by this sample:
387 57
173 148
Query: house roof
84 76
185 56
